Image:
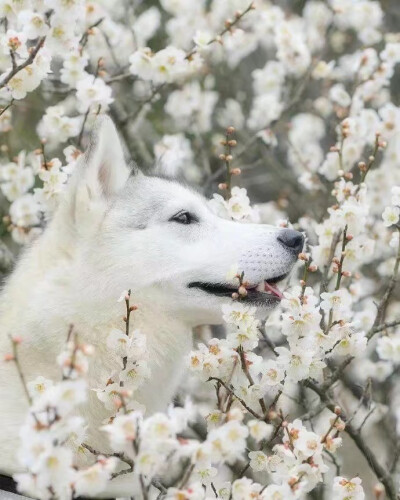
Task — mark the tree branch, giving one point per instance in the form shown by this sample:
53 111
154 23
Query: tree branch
27 62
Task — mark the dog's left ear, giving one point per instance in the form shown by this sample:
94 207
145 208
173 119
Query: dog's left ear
100 174
104 167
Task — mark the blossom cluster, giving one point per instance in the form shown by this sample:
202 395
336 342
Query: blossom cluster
302 100
52 436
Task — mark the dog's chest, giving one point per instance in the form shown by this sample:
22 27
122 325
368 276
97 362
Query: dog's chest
168 345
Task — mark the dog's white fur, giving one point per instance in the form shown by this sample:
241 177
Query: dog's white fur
113 232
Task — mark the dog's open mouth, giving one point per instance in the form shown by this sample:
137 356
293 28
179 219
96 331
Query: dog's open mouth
266 291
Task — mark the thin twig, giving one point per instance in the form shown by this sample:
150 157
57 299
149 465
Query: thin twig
379 470
19 369
381 309
7 107
24 64
230 391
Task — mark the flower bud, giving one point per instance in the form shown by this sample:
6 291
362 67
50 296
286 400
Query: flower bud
303 256
313 268
232 143
222 186
228 157
242 291
340 425
362 166
272 415
9 357
236 171
230 130
222 157
379 490
87 349
337 410
235 295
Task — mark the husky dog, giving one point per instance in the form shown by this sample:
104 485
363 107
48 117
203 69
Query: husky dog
116 229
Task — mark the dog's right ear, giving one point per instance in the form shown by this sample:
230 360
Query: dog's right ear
100 174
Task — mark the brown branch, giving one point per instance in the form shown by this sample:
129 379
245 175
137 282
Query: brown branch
266 339
325 278
121 456
381 309
228 27
24 64
85 37
382 327
379 470
7 107
250 378
230 391
337 373
190 54
19 369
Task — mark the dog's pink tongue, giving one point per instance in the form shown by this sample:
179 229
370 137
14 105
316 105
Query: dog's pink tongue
273 289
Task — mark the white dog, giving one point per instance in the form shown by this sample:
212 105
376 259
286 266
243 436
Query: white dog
116 230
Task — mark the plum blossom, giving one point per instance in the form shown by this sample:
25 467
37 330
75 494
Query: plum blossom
391 216
348 488
166 65
310 92
93 94
237 207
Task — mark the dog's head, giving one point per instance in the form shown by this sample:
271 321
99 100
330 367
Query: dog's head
161 239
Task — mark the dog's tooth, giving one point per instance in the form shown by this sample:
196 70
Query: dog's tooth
260 287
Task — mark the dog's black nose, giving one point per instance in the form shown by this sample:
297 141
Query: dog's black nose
292 239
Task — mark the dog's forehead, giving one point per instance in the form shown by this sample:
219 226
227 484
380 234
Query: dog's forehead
152 189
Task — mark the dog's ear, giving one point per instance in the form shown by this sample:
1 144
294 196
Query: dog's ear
100 174
104 168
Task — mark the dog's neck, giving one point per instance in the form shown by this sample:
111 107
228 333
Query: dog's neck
50 302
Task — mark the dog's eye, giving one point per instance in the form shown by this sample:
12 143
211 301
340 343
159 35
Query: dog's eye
184 217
